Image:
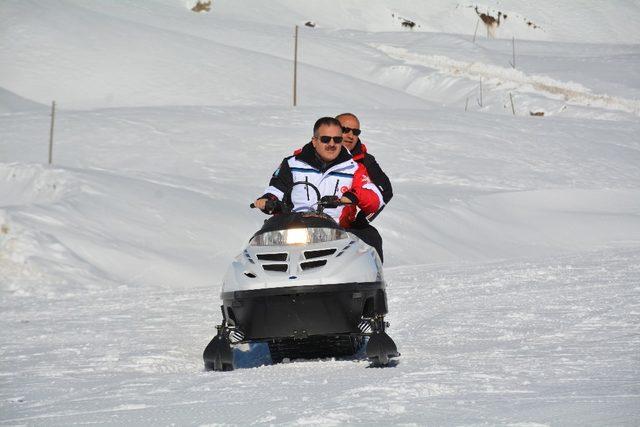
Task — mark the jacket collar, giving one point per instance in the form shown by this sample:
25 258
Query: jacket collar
308 155
359 151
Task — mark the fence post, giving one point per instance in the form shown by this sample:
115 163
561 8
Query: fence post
295 69
513 109
53 119
476 30
513 43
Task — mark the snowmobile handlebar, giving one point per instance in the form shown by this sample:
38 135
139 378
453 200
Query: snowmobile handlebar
272 206
322 202
277 206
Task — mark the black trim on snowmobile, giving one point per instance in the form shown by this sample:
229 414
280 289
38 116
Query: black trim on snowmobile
303 311
301 289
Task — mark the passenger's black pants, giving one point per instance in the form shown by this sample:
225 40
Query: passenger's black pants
368 234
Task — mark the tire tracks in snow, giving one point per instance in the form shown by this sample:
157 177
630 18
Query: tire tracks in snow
571 92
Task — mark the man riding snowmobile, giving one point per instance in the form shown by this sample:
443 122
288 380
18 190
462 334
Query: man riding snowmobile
325 163
305 284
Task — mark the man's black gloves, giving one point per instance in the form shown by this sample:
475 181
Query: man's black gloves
330 202
351 196
272 207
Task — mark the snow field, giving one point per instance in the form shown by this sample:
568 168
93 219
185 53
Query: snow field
168 55
512 243
499 343
491 188
107 314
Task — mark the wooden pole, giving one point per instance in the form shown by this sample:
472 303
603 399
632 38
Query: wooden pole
476 30
513 109
295 69
513 42
53 119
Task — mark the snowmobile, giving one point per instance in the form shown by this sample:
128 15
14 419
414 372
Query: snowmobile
306 287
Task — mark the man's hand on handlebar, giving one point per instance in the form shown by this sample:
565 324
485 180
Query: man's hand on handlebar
346 201
260 204
333 202
271 205
267 206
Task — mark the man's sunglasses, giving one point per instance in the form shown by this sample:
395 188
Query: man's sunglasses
356 132
325 139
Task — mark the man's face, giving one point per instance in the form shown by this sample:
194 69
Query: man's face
349 140
329 151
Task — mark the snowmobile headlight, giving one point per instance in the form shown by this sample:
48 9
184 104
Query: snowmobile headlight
298 236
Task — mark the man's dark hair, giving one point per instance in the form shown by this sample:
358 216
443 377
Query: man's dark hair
325 121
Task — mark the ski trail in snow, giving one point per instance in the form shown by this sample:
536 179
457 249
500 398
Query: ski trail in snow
571 92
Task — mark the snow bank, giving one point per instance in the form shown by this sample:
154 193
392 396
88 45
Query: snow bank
512 80
576 21
12 103
97 60
94 55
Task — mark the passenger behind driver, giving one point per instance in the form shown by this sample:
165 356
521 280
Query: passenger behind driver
351 141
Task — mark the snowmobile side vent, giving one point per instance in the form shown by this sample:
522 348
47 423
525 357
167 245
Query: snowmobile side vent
313 264
319 253
248 257
276 267
346 247
273 257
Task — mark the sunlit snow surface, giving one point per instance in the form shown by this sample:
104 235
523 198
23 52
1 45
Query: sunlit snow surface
512 243
551 341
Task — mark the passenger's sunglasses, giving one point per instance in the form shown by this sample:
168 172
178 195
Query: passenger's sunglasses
325 139
356 132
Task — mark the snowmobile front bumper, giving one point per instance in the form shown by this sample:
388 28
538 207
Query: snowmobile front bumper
303 311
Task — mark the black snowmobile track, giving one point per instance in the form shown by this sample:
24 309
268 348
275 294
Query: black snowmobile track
314 347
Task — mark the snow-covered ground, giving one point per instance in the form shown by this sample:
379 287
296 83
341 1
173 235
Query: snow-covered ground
552 341
512 243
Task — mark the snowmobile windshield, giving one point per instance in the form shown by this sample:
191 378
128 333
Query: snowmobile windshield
298 228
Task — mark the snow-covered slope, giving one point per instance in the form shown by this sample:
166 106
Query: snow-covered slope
580 21
512 243
12 103
92 59
96 54
468 186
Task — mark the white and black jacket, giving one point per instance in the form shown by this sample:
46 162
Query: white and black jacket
341 177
